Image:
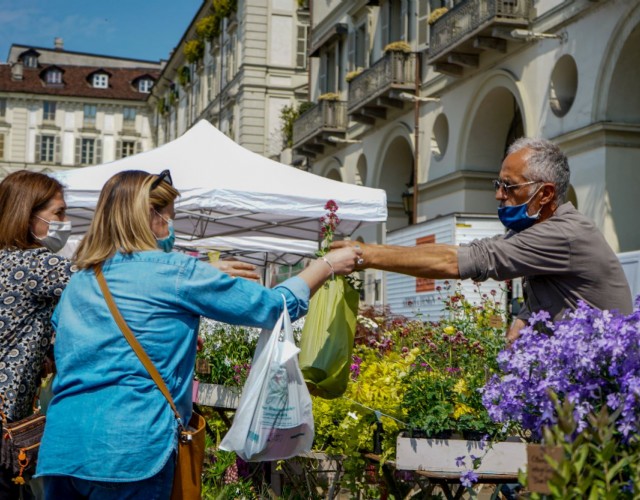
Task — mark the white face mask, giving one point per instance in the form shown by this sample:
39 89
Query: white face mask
57 235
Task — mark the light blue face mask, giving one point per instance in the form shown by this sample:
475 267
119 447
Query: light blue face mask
517 217
166 244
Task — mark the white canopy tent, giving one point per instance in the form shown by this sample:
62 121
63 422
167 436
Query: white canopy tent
227 190
258 250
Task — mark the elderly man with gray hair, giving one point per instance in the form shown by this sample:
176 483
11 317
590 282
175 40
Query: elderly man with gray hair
559 252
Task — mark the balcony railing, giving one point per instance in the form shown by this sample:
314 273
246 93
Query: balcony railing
471 17
395 71
325 117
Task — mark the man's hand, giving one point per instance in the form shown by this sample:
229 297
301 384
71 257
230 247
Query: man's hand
360 261
514 331
237 269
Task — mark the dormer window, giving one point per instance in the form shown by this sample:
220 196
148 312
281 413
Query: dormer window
144 85
100 81
53 77
29 58
30 61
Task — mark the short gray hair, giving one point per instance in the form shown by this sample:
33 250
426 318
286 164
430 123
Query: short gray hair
546 162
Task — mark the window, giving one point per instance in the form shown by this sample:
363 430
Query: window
129 116
331 77
3 108
53 77
2 146
101 81
90 111
48 111
128 149
47 149
360 50
87 151
144 85
30 61
301 47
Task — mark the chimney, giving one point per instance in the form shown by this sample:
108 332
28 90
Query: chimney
17 71
58 43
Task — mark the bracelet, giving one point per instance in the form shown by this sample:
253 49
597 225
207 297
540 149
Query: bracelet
330 265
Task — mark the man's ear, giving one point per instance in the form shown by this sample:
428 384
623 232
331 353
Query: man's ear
548 194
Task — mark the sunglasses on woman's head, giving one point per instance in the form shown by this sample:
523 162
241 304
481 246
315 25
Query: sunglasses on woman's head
165 176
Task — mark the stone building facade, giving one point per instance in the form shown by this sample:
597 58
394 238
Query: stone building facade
62 109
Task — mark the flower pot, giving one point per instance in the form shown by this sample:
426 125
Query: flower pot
440 456
473 435
218 396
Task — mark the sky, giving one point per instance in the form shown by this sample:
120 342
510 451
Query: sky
137 29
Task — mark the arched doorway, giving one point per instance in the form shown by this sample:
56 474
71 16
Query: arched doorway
622 157
496 124
396 177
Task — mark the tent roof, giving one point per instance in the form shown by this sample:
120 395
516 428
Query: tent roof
227 190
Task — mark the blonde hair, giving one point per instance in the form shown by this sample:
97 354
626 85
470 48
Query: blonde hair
122 217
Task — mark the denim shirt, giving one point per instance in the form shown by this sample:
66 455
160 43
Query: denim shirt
107 420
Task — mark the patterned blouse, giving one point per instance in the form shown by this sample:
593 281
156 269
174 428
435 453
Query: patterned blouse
31 282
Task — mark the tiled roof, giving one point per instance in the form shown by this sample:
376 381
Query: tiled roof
77 82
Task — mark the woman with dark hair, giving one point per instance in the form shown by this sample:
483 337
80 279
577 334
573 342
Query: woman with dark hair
33 225
110 432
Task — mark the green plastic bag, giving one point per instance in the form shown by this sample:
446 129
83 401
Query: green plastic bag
327 338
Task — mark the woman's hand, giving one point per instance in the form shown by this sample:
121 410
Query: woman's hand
237 269
344 260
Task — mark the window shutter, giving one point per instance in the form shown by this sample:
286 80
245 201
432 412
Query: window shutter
367 41
404 25
385 12
138 147
57 157
38 156
78 156
423 25
98 151
351 50
118 150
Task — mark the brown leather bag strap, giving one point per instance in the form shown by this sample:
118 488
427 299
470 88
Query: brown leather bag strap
133 341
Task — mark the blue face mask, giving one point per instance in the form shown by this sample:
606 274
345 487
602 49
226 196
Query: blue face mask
517 217
166 244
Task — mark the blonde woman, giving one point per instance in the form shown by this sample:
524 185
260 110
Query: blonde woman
110 432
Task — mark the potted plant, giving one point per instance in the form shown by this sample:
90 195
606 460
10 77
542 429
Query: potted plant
436 14
442 396
329 96
399 46
193 50
352 74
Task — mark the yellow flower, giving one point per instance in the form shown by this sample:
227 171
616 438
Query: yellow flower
460 387
461 409
449 330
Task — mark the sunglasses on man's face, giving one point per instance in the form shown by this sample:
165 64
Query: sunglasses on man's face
165 176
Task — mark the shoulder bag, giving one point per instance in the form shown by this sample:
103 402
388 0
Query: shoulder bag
21 443
188 474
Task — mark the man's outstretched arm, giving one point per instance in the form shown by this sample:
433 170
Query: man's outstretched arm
433 260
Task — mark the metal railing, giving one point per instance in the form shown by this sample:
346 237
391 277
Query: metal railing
394 69
326 115
467 17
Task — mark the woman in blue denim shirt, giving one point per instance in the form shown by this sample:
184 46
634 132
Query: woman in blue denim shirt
110 432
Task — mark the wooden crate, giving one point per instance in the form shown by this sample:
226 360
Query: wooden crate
439 456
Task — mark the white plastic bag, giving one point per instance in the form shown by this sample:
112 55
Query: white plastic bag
274 419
